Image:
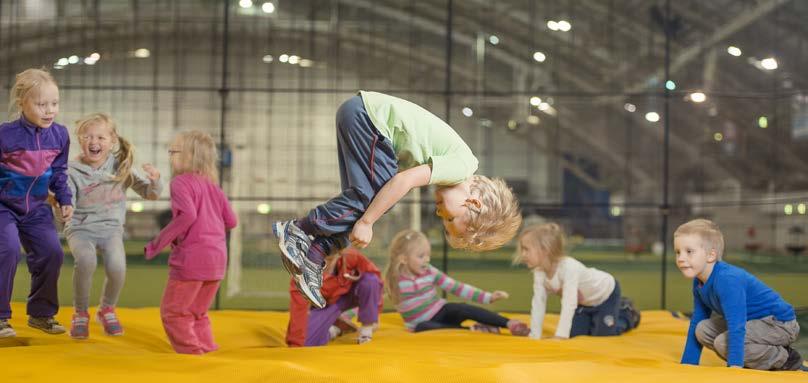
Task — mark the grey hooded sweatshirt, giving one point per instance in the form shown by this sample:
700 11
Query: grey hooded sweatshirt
99 201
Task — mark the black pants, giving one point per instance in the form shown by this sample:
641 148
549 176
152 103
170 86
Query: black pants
453 314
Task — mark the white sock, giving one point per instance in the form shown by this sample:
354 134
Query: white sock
334 332
366 331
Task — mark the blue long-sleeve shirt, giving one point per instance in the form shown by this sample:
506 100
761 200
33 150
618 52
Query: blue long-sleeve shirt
33 160
738 297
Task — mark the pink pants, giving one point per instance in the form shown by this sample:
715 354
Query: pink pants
184 311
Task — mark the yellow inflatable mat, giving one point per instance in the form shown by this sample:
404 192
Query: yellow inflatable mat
252 350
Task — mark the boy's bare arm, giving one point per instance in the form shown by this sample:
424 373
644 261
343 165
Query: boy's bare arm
394 190
391 192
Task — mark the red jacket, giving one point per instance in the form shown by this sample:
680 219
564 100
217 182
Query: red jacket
335 285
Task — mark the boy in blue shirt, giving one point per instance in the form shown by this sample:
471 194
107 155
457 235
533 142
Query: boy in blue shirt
751 325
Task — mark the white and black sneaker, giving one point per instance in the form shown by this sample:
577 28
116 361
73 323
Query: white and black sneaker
294 244
47 324
6 331
309 283
794 361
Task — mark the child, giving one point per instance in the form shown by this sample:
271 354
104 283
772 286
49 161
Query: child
590 298
387 146
751 325
410 282
350 281
200 216
99 178
33 160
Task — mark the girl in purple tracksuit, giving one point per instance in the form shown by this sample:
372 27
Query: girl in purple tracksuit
33 160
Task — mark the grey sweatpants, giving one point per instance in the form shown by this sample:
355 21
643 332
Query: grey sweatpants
764 345
83 247
367 161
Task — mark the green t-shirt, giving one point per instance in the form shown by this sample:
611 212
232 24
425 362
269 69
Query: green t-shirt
419 137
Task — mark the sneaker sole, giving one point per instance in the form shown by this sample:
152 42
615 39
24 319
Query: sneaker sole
8 333
288 261
79 337
289 266
303 288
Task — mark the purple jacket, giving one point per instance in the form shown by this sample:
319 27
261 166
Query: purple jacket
32 160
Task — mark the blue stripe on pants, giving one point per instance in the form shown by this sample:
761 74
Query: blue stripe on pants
367 161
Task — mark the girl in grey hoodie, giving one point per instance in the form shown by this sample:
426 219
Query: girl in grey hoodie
98 179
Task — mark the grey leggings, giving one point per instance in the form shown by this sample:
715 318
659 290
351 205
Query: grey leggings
83 248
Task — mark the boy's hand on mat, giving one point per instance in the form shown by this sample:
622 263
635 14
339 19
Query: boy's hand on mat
67 212
497 295
151 172
361 235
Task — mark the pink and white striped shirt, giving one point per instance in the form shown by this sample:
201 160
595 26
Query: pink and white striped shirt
419 297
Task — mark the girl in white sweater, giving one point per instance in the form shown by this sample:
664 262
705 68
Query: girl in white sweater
590 298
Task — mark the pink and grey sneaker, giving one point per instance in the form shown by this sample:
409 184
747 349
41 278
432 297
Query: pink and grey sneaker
80 325
518 328
106 316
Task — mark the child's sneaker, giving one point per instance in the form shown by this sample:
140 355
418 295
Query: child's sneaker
106 316
629 313
518 328
794 361
362 339
365 334
294 244
46 324
80 325
310 282
6 331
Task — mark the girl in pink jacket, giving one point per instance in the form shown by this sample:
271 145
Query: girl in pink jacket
201 215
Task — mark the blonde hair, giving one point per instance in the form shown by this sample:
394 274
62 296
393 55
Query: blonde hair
708 231
548 238
404 243
24 82
198 154
495 222
124 154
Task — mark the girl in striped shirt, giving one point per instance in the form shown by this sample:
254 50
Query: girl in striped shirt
411 283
